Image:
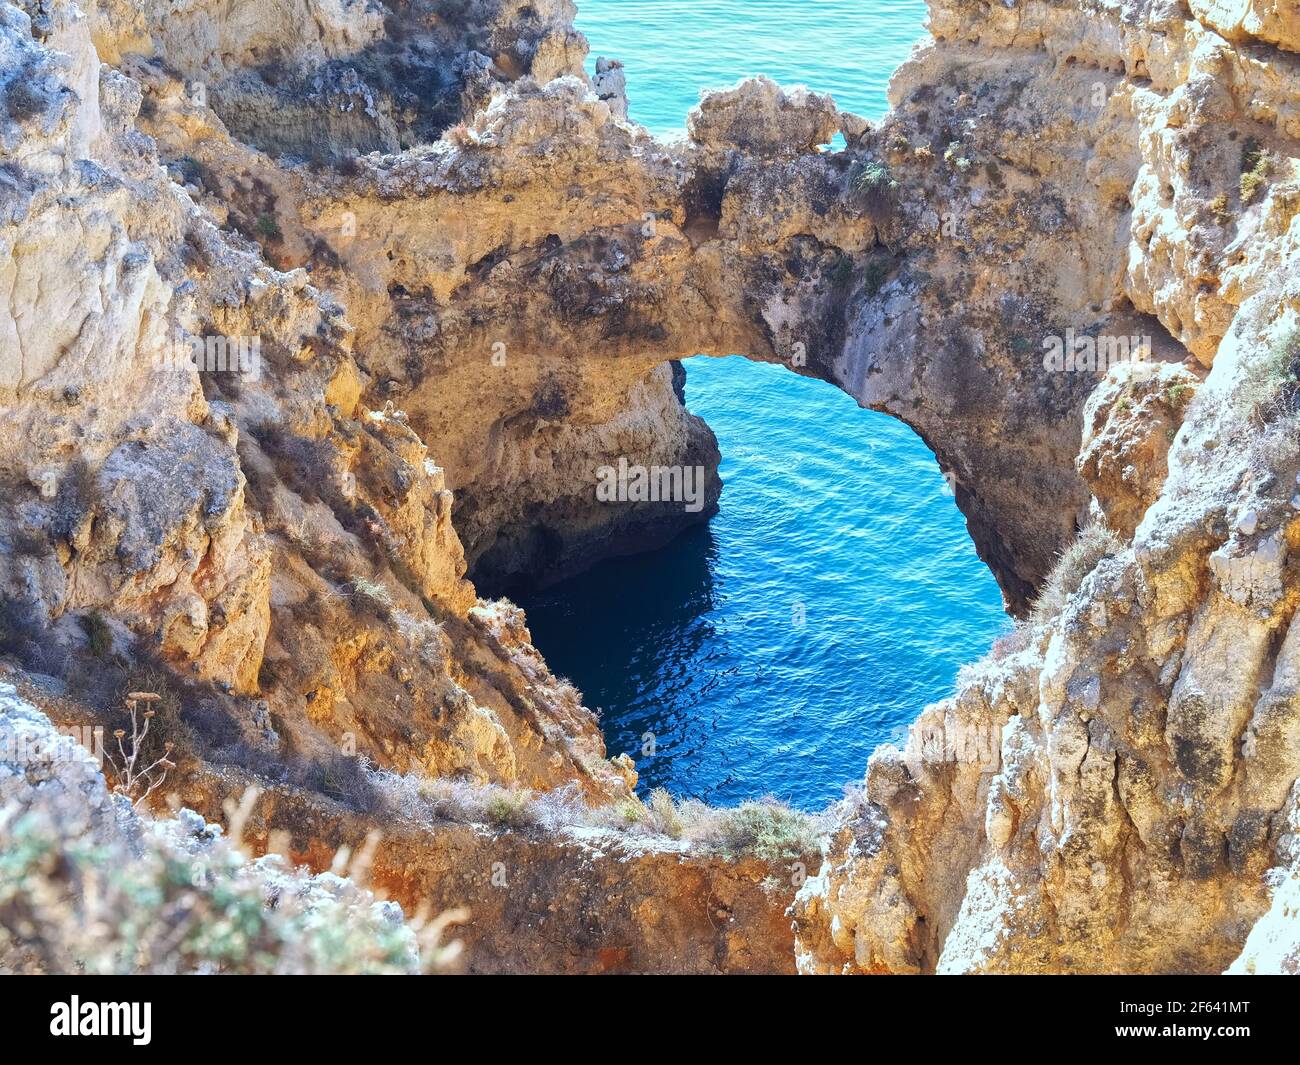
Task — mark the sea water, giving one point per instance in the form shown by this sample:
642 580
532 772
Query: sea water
837 592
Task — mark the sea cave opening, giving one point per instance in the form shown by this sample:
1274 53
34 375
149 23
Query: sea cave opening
834 595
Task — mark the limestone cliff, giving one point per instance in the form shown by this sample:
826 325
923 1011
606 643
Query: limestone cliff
248 522
449 282
1108 790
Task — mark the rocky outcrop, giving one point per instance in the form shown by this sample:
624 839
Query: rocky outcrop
192 476
547 898
86 877
325 79
1273 946
1107 792
543 260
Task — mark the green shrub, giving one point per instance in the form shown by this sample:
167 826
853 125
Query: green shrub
1219 205
98 634
767 830
268 227
1255 167
631 812
510 809
1270 390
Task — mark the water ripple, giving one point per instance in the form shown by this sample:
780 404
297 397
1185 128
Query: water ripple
674 48
834 596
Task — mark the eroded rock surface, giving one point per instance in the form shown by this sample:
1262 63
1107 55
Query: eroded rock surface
254 525
1109 789
452 281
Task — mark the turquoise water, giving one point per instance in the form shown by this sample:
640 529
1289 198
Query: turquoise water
836 593
672 49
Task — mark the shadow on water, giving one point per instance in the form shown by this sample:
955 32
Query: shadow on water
628 630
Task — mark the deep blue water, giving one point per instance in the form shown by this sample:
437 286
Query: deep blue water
837 592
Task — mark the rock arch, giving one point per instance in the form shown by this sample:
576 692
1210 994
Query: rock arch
1145 779
518 289
919 269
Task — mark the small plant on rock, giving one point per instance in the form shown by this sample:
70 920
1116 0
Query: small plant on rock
1271 389
954 158
268 227
373 596
98 634
138 778
1219 206
878 192
1255 167
663 814
1093 544
510 809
